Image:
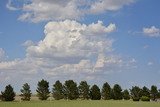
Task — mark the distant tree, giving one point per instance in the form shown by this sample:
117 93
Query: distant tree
158 94
43 90
106 91
154 93
112 94
84 90
26 92
117 90
8 94
135 93
57 90
95 93
0 97
126 95
71 90
145 92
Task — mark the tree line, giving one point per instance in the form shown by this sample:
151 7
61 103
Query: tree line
71 91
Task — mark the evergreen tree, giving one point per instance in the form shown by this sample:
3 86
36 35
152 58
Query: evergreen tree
158 94
154 93
43 90
106 91
126 95
112 94
95 93
57 90
145 92
8 94
26 92
70 90
135 93
117 90
84 90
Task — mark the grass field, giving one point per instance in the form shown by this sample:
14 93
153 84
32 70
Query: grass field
63 103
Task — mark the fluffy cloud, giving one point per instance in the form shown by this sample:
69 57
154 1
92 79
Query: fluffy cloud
69 48
152 31
70 40
44 10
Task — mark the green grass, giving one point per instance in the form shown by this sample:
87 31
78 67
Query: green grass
78 103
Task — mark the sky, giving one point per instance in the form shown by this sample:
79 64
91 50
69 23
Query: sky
114 41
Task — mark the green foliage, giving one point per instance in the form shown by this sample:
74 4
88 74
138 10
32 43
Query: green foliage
135 93
158 94
112 94
136 99
145 98
70 90
126 95
95 93
117 91
84 90
57 90
26 92
106 91
154 93
8 94
43 90
145 92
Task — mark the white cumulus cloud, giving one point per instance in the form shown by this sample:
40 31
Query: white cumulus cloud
152 31
68 48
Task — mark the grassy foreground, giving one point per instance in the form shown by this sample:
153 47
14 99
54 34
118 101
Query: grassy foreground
78 103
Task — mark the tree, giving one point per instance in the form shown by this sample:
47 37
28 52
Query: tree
43 90
106 91
84 90
95 93
8 94
71 90
117 90
135 93
57 90
26 92
158 93
145 92
112 94
126 95
154 93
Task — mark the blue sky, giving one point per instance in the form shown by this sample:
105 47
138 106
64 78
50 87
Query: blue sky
114 41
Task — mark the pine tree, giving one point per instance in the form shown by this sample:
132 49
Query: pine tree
84 90
117 90
106 91
95 93
57 90
126 95
145 92
136 93
8 94
43 90
26 92
154 93
71 90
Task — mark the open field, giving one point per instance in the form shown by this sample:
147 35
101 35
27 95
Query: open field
79 103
